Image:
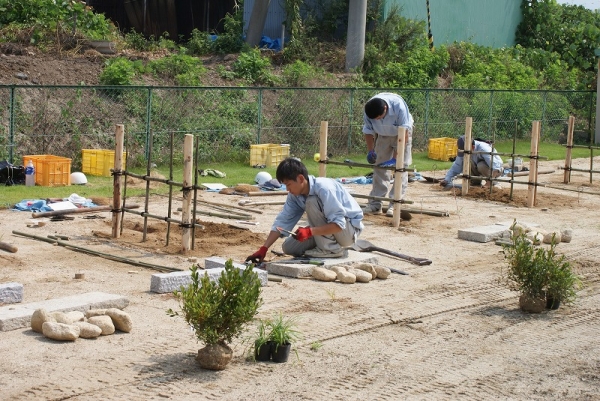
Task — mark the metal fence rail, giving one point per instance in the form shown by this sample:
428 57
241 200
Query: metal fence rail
63 120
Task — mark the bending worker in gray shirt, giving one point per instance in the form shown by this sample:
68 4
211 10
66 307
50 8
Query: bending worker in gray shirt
482 164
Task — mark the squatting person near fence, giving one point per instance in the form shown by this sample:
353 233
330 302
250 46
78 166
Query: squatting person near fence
334 216
480 163
383 114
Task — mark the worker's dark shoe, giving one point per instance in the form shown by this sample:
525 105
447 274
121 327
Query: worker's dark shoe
322 253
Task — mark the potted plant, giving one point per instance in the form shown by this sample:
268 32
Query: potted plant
562 282
218 310
283 333
538 274
262 343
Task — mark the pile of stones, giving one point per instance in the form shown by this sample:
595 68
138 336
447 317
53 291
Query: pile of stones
350 274
69 326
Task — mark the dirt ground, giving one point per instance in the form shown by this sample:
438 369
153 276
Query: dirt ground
449 330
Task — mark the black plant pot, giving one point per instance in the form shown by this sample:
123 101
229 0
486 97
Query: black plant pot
263 353
281 353
552 303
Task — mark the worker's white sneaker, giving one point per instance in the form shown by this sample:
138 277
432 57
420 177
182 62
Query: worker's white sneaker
322 253
370 209
390 212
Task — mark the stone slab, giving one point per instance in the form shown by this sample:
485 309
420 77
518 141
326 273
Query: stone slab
305 269
169 282
14 316
488 233
11 293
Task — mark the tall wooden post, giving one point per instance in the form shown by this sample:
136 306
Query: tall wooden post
398 174
186 216
323 148
467 156
533 163
570 130
116 214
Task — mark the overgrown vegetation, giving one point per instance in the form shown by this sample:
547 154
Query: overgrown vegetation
488 84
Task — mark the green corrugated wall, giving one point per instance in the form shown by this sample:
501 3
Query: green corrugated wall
486 22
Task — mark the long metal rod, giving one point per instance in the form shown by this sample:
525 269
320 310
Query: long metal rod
381 198
163 218
96 253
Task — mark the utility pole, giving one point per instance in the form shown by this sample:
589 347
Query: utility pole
257 22
597 136
355 41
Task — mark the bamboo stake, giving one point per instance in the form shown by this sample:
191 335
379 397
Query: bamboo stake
77 211
535 134
188 162
116 215
96 253
467 156
8 247
567 175
323 148
398 174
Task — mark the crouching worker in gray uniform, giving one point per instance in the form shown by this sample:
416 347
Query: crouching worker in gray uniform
482 164
334 217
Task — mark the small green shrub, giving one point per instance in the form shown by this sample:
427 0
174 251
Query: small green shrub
118 71
218 310
298 73
539 272
254 68
199 44
185 69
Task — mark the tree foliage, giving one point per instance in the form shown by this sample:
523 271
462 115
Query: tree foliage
571 31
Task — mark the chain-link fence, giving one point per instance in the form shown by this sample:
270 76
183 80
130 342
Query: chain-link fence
63 120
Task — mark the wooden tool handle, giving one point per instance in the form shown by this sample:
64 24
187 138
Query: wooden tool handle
8 247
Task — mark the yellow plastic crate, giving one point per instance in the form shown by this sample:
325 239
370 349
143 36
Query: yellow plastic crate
442 149
98 161
268 154
50 171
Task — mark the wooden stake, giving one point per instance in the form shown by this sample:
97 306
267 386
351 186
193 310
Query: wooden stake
186 217
531 190
323 148
116 215
567 176
8 247
398 175
467 156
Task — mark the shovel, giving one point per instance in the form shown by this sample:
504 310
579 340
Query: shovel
362 245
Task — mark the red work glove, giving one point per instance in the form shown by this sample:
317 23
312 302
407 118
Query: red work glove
303 233
258 256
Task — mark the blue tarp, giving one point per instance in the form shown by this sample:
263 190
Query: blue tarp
33 205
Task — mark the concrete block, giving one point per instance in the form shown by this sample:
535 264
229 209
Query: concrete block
305 269
484 233
169 282
216 262
11 293
14 317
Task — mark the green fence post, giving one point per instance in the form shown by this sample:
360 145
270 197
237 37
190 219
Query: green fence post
259 127
11 125
491 114
543 114
350 118
148 118
426 127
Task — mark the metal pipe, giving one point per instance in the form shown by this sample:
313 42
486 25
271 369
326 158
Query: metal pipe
96 253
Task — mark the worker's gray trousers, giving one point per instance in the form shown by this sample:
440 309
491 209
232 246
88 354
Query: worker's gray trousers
483 170
316 218
385 146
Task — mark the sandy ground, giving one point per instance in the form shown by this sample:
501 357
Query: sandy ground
450 330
